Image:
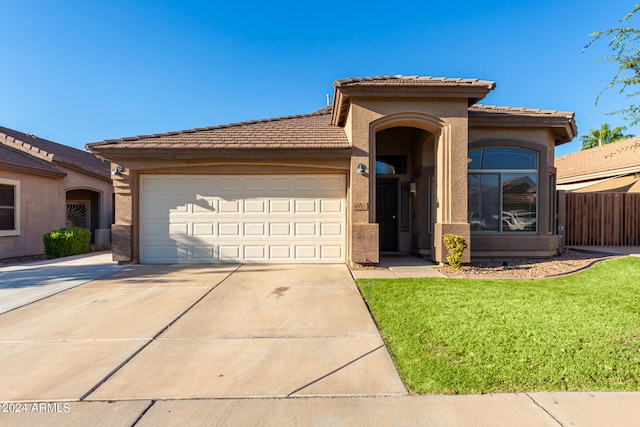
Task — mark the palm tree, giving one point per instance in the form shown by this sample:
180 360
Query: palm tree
604 135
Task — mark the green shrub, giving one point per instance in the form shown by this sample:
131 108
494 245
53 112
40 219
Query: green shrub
66 242
455 246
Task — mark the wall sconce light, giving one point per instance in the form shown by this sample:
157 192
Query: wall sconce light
361 168
118 171
412 188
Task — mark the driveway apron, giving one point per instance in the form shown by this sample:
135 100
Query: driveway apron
167 332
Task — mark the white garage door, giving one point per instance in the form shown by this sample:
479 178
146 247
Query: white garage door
242 218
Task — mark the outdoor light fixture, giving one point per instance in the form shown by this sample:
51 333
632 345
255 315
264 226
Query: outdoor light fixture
361 168
118 171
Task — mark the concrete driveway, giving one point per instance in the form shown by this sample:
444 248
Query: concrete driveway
23 284
185 332
236 345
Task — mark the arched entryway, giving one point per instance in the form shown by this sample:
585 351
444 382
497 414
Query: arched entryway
83 210
404 190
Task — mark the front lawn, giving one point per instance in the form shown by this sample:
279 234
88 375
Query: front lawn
574 333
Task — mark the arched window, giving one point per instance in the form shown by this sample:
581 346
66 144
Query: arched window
503 184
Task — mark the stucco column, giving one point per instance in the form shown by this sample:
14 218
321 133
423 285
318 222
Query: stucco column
122 229
451 187
364 233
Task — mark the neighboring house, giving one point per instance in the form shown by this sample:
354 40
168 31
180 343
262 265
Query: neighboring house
45 186
601 192
613 168
391 166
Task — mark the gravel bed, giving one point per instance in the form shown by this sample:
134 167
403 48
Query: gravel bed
568 261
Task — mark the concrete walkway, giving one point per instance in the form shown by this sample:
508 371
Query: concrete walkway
23 284
399 266
236 345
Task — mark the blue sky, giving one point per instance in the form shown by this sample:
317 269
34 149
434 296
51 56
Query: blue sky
83 71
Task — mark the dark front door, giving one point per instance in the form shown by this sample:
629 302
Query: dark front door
387 213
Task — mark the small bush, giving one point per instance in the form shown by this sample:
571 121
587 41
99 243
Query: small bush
66 242
455 246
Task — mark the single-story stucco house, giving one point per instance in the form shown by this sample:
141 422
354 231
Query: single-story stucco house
45 186
391 166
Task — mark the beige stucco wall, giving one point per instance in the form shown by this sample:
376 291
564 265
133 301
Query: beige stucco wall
41 211
43 208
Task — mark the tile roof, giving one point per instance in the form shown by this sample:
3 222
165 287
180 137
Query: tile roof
608 160
13 159
493 114
496 110
305 131
400 80
53 152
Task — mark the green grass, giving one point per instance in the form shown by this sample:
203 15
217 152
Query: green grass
574 333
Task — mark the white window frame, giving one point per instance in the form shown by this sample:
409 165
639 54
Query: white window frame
16 210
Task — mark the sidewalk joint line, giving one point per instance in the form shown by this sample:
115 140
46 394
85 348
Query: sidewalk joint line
544 409
143 413
138 351
335 370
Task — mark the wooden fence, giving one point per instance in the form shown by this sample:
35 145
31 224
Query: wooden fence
602 219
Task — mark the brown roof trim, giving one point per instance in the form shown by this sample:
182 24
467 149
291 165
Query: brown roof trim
400 80
562 123
473 90
123 152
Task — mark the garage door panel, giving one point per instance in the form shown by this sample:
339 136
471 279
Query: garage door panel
255 229
154 229
280 207
306 253
229 207
279 184
228 184
332 252
277 229
227 229
267 218
306 206
255 206
204 252
203 229
305 229
203 205
332 206
253 184
178 229
331 229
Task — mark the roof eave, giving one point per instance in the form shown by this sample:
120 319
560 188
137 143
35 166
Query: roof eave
114 152
344 94
33 170
103 175
612 173
563 125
